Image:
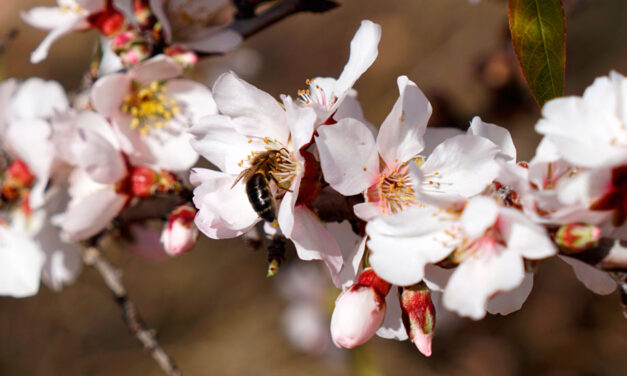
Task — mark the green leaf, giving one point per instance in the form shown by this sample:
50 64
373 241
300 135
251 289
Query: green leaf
539 35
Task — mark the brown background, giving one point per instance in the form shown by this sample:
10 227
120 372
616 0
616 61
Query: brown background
214 309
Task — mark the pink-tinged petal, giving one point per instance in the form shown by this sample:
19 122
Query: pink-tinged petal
146 243
301 122
401 134
255 112
195 98
358 313
392 327
107 94
499 135
434 136
348 156
158 9
7 88
352 247
126 8
98 157
21 262
523 236
594 279
479 277
460 167
217 140
171 152
432 219
363 52
584 187
41 52
218 41
507 302
223 212
92 6
158 68
37 98
131 141
584 134
48 18
479 214
367 210
88 215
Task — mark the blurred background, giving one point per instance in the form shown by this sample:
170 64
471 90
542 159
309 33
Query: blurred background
213 308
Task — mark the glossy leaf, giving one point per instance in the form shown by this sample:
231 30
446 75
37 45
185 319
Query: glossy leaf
539 35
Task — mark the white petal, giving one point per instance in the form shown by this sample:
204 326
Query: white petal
401 134
88 215
499 135
21 262
217 140
171 152
63 259
195 98
352 247
301 121
462 166
367 210
223 212
594 279
107 94
48 17
393 327
478 278
363 52
98 157
348 156
479 214
37 98
158 68
41 52
255 112
525 237
507 302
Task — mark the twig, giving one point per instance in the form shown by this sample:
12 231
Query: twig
250 26
92 257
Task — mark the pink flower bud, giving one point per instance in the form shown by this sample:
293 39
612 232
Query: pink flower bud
18 180
577 237
186 58
122 40
419 316
359 312
180 233
144 181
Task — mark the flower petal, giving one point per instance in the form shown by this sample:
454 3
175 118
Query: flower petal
401 134
525 237
507 302
594 279
393 327
21 262
158 68
218 41
348 156
499 135
89 214
479 214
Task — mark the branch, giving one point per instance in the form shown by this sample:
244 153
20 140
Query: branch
250 26
92 257
609 255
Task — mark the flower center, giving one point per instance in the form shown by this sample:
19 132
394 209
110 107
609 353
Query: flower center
149 107
490 243
393 191
276 164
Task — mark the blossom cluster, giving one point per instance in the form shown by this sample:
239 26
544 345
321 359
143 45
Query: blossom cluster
396 212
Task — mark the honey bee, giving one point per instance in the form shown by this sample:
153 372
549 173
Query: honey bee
266 167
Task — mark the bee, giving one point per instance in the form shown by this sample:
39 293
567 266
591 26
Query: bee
265 167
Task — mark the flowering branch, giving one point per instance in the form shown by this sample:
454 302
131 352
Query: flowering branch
92 257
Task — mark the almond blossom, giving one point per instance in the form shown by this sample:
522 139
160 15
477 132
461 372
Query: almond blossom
200 25
151 110
252 123
325 94
73 15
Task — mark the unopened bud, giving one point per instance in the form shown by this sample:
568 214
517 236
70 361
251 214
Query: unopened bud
168 182
185 57
359 310
180 233
577 237
18 178
144 181
134 54
108 21
418 316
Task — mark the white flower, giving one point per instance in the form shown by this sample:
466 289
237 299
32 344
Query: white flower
325 94
151 111
254 124
350 158
68 16
200 25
